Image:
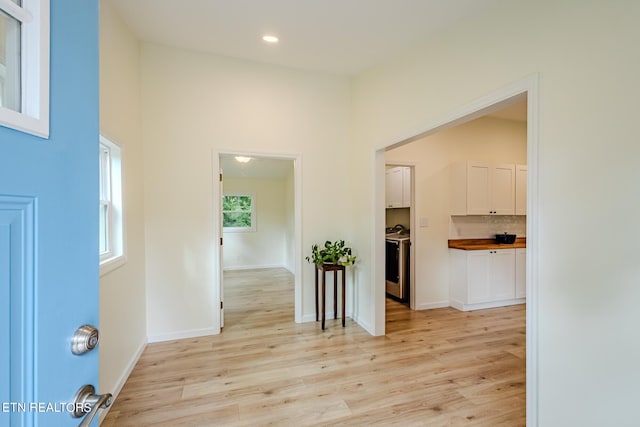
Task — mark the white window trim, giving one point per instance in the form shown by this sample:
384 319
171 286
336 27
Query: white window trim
116 255
253 227
34 53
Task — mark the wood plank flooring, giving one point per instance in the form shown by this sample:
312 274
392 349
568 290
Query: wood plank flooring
433 368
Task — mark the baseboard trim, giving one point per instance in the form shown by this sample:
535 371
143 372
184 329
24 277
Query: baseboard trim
180 335
432 305
253 267
123 379
364 325
483 305
290 270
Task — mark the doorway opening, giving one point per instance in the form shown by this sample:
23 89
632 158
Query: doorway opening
524 90
257 210
399 221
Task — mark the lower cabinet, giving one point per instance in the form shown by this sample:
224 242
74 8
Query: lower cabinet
485 278
521 273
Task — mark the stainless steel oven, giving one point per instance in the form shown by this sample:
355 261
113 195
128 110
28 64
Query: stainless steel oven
397 267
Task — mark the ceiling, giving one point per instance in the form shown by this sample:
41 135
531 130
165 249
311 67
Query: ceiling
257 167
337 36
343 37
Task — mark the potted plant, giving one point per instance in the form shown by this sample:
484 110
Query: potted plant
331 253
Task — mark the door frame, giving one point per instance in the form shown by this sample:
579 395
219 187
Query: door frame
217 217
528 86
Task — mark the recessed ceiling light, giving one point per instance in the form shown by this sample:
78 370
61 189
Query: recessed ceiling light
270 39
242 159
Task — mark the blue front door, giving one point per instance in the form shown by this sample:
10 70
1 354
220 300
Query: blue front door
49 233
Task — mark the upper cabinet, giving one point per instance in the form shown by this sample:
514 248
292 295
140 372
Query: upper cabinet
482 188
398 187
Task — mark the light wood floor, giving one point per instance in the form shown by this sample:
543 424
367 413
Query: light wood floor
434 368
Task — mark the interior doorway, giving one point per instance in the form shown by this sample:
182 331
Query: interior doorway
497 100
400 247
257 209
499 137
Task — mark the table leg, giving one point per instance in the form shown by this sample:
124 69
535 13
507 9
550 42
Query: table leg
323 298
316 268
344 308
335 294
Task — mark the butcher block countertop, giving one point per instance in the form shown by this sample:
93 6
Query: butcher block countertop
486 244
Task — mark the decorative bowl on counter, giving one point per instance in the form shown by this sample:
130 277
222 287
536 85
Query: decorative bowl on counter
506 238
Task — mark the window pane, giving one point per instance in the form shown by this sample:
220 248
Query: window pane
9 62
236 203
103 228
235 219
105 174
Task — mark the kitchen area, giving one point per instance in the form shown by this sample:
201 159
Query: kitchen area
450 199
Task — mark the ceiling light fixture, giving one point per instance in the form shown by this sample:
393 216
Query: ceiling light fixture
270 39
242 159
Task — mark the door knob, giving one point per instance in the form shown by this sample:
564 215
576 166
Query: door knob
86 403
84 339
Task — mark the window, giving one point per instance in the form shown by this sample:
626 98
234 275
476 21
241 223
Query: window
111 218
24 65
238 212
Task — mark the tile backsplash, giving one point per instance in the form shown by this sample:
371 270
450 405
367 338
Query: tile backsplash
486 226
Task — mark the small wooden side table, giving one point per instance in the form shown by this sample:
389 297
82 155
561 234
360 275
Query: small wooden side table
335 268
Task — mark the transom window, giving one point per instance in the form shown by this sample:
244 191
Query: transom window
24 65
238 212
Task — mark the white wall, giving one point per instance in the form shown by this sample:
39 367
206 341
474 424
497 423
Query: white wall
485 139
266 246
195 104
588 273
122 291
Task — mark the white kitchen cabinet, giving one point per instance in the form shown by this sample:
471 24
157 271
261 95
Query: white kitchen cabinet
482 278
521 189
393 188
406 187
521 273
478 277
478 186
481 188
398 187
503 274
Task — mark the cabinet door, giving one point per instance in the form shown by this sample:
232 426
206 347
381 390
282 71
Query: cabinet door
478 276
521 273
521 189
502 275
406 187
478 188
503 188
393 188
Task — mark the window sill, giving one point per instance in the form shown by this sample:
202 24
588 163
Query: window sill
108 265
238 229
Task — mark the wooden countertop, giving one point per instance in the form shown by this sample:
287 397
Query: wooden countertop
485 244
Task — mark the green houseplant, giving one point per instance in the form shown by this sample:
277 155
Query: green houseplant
331 253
